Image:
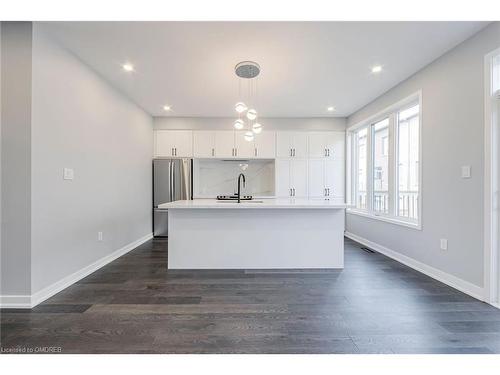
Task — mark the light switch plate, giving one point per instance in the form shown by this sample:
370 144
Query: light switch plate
444 244
466 171
68 173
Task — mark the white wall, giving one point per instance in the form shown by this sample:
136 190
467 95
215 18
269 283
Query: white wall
81 122
15 157
453 135
211 123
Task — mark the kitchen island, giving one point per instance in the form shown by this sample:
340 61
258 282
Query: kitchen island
256 234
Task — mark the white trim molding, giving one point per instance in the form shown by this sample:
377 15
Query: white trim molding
28 302
491 186
15 301
446 278
386 218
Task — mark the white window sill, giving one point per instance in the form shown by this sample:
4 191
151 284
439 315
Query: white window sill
387 219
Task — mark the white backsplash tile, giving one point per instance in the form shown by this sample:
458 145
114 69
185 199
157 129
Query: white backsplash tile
219 177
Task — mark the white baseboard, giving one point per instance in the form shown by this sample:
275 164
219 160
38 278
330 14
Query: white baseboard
15 301
450 280
47 292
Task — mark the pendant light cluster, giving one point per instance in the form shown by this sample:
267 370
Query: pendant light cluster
247 114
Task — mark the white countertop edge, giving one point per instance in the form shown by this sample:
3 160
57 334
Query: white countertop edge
266 204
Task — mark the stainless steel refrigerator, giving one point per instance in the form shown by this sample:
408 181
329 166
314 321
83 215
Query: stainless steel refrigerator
172 181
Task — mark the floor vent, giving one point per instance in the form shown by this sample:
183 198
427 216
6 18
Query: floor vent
368 250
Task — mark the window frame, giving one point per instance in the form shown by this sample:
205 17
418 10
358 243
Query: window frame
390 112
353 162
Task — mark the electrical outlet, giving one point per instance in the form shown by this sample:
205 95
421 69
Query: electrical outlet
99 236
444 244
68 174
466 173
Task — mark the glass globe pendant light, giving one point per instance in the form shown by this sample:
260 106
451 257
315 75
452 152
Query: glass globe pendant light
251 114
249 136
239 124
240 107
257 128
247 72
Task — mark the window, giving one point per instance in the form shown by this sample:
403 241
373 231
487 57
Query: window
386 164
380 133
408 162
495 75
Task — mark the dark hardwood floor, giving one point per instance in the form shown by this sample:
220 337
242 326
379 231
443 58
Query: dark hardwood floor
374 305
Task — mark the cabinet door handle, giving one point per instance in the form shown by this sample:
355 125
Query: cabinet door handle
290 191
235 151
328 191
175 149
255 151
232 152
328 152
213 151
293 191
291 153
172 151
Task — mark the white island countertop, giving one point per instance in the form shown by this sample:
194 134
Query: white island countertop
267 203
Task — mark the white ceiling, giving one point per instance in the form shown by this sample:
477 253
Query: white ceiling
306 66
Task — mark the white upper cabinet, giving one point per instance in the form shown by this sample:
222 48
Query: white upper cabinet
335 144
291 144
244 148
265 145
164 143
173 143
328 145
204 144
224 143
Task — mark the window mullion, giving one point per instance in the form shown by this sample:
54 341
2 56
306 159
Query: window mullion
369 167
349 188
392 170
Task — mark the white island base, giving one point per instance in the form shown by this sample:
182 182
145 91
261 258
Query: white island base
255 236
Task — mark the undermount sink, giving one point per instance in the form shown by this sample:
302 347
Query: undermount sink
243 201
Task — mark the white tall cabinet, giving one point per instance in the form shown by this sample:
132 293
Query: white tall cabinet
326 169
326 178
291 178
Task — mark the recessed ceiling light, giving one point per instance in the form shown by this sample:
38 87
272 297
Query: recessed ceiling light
376 69
128 67
167 108
331 109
